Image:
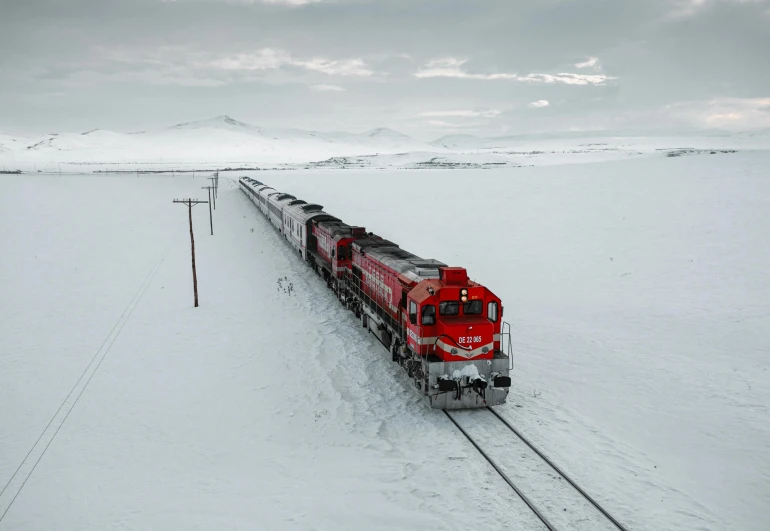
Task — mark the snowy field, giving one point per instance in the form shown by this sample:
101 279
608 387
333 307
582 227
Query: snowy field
638 292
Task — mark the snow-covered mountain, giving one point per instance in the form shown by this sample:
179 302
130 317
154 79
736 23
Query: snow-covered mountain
761 133
574 139
10 143
217 139
461 142
223 142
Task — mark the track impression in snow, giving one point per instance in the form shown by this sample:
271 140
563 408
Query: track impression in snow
552 499
47 436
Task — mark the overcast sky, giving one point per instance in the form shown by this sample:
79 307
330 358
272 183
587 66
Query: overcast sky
426 68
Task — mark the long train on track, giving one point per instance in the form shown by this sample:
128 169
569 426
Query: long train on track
445 330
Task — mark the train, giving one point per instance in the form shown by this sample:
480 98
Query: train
445 330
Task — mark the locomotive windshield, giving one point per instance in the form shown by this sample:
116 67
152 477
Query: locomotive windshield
472 307
449 308
343 253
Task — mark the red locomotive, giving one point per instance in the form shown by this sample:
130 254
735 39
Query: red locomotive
445 330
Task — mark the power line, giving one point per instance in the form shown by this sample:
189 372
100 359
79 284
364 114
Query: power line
121 322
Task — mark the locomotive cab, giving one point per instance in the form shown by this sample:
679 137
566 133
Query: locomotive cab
453 325
453 318
340 256
342 253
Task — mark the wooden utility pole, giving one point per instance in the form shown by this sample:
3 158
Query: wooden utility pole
211 219
214 186
191 203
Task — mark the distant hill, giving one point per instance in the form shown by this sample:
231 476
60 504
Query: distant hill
223 141
216 139
471 143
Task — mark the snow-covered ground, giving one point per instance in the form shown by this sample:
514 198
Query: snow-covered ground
638 291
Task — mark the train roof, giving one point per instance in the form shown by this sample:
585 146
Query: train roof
372 241
338 229
280 197
405 262
304 212
398 259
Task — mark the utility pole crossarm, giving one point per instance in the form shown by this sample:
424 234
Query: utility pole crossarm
189 202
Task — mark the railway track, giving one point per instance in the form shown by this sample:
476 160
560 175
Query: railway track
557 500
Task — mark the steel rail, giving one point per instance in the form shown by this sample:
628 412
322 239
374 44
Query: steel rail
559 471
502 474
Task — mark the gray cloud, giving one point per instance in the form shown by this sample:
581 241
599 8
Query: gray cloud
403 64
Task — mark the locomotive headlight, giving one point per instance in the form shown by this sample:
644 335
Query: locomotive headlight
464 295
464 298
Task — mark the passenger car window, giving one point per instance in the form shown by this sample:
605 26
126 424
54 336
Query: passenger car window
429 315
449 308
473 307
492 311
